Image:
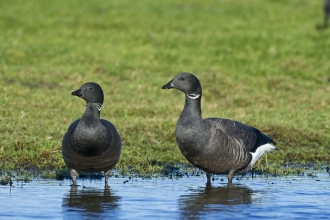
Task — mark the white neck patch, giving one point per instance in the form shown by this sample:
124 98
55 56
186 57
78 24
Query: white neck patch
98 106
193 96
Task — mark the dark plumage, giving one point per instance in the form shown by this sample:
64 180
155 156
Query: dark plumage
91 144
215 145
326 12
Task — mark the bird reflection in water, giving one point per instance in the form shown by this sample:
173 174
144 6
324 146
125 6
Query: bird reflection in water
90 202
214 199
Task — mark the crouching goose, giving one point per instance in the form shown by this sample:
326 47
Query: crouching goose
91 144
215 145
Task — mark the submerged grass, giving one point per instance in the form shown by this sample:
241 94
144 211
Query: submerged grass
264 63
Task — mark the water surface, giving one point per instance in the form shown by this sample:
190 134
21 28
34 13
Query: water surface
293 197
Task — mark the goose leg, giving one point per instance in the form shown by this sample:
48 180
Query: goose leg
73 191
229 185
74 175
106 175
230 176
209 175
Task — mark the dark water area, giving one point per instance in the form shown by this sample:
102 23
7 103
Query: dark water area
291 197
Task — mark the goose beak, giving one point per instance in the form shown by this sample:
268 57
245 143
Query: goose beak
169 85
77 93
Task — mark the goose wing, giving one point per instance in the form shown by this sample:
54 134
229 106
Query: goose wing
249 137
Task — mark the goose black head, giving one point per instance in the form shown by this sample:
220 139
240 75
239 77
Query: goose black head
186 83
91 92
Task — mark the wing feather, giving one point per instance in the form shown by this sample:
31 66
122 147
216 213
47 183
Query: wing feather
250 137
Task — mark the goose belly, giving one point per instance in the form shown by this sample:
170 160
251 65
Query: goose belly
221 162
105 161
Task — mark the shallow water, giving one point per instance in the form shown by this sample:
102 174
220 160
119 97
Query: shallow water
293 197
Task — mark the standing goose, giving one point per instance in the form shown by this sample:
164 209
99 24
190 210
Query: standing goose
215 145
91 144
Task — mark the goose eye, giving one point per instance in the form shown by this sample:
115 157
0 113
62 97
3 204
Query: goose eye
90 88
181 78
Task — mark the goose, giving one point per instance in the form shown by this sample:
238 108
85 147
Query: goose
91 144
215 145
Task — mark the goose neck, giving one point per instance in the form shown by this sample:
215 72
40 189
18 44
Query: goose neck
192 108
92 112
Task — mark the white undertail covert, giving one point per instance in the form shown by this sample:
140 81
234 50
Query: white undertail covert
263 149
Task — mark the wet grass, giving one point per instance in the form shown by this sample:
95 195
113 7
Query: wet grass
263 63
174 171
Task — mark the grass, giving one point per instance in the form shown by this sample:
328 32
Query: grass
264 63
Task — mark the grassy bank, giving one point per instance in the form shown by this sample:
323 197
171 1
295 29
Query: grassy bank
264 63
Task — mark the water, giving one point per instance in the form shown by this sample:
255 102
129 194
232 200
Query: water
293 197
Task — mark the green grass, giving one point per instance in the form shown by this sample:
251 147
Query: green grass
262 62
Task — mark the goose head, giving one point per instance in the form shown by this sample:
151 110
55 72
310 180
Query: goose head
91 92
186 83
